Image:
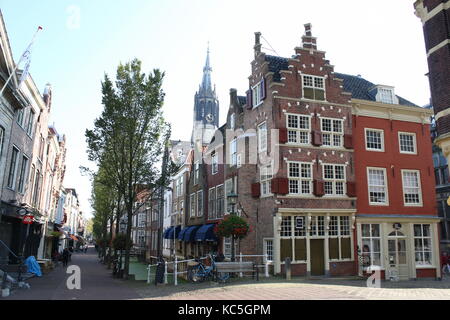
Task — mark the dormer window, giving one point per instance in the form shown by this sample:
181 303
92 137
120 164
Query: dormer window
386 95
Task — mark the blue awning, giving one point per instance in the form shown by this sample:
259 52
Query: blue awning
189 235
181 234
173 230
206 233
166 233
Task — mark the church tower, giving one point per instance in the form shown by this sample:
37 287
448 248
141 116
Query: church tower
206 109
435 16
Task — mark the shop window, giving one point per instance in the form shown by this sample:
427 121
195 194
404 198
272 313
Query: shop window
423 244
371 245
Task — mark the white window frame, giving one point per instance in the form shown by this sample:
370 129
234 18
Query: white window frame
30 121
196 173
332 133
23 175
386 187
212 204
419 187
383 97
341 235
422 250
334 181
262 137
382 139
223 201
192 200
265 178
313 86
14 177
233 152
266 249
372 238
200 203
400 133
300 179
214 164
257 94
297 131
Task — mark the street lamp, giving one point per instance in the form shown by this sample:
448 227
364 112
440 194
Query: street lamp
123 225
22 212
232 200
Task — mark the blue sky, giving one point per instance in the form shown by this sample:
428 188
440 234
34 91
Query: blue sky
381 40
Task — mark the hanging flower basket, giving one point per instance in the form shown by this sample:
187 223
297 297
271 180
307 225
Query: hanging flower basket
232 226
56 234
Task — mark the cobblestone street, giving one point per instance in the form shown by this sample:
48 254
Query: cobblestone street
97 283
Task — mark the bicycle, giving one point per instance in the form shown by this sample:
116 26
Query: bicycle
446 271
200 272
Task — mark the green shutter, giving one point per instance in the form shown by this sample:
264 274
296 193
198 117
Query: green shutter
300 249
346 248
285 249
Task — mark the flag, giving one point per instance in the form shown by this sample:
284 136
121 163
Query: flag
27 55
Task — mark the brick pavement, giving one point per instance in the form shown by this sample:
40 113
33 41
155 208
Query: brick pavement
97 283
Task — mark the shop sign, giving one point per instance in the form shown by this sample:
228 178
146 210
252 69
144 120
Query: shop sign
28 219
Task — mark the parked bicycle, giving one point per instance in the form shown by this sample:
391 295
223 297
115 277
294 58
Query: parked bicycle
201 272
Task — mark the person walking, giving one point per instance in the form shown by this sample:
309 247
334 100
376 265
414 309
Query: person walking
65 257
85 248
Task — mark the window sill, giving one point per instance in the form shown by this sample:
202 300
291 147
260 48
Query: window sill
425 267
374 150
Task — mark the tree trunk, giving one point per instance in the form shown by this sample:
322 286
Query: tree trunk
128 239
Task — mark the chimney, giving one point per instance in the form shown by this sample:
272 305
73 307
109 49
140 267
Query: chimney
309 42
258 44
48 95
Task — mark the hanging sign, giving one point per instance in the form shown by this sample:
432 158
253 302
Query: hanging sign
28 219
299 223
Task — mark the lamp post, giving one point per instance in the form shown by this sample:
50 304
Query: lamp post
232 200
122 230
23 213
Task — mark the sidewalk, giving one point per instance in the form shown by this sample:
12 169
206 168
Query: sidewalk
97 283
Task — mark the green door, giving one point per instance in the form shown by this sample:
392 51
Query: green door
317 257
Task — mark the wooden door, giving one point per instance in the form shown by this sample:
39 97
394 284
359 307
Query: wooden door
317 257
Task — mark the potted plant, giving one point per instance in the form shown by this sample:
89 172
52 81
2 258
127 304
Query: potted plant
235 227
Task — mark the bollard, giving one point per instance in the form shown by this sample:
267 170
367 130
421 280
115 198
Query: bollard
175 275
240 260
287 267
148 274
266 266
165 274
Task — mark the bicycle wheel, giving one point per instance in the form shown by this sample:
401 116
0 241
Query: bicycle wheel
197 275
223 276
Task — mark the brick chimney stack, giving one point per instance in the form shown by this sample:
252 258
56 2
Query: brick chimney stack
258 44
309 42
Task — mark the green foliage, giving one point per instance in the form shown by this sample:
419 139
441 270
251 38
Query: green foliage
232 225
56 234
119 242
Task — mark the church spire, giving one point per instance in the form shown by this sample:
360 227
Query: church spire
206 86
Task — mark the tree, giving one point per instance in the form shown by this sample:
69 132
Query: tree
127 138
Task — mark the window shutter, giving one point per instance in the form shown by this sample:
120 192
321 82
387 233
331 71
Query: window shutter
348 141
256 190
283 185
274 186
249 99
283 135
318 188
263 88
317 138
351 189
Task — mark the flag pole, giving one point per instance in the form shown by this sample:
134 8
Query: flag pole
20 60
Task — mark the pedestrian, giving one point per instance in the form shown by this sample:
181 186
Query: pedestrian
85 248
445 261
65 257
